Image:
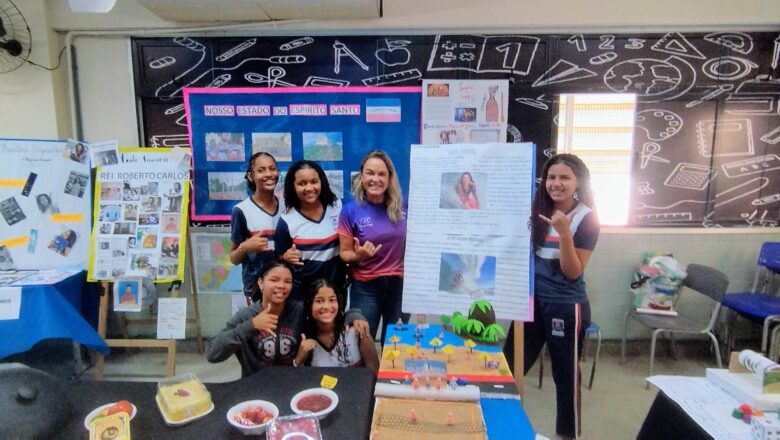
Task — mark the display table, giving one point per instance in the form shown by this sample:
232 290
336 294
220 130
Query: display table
501 408
350 419
667 420
50 311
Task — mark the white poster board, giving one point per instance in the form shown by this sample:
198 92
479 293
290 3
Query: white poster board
44 205
464 111
467 229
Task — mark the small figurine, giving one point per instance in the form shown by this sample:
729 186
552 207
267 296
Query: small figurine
416 384
418 334
439 385
450 419
399 325
413 416
407 380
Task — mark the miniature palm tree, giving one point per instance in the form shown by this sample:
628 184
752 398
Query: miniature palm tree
392 355
458 321
485 357
394 339
470 344
435 342
445 321
492 332
474 327
449 350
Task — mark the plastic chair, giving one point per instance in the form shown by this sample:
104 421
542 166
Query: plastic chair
593 329
759 305
702 279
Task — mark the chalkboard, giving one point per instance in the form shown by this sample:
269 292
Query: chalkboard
707 139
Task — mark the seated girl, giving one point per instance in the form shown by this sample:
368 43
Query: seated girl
330 343
269 331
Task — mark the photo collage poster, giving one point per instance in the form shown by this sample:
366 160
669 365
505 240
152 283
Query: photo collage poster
140 213
335 128
464 111
44 203
467 235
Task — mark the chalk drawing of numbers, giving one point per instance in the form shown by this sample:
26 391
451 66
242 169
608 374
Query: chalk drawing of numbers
658 124
496 53
651 79
394 54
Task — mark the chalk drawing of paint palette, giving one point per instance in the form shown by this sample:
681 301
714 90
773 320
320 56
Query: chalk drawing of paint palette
754 165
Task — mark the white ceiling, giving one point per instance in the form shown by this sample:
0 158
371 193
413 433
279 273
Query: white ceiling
261 10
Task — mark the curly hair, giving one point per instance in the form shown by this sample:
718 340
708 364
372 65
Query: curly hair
291 199
249 182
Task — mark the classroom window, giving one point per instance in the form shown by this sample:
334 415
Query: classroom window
599 129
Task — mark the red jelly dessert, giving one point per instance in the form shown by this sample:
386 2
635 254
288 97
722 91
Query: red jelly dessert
314 403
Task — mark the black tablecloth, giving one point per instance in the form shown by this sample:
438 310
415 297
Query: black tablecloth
350 420
667 420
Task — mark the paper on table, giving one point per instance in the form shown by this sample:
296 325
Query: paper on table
171 318
10 303
237 302
707 404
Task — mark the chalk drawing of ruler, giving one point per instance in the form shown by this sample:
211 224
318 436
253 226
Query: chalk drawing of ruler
391 78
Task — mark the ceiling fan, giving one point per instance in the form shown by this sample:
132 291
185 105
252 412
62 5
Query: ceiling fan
14 37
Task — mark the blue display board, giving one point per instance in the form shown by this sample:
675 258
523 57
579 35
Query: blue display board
335 126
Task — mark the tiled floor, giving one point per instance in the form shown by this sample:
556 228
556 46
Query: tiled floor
613 409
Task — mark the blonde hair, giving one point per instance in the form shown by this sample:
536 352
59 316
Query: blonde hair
393 198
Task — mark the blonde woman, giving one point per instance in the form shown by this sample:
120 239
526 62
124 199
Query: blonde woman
372 240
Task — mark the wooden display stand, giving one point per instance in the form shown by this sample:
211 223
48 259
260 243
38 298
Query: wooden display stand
517 327
169 344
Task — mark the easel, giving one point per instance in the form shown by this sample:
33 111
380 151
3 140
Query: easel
169 344
517 327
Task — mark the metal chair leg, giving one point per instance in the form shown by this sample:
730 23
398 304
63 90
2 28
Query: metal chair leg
652 354
623 345
717 348
595 359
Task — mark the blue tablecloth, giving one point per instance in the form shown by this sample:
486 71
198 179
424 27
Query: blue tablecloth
47 312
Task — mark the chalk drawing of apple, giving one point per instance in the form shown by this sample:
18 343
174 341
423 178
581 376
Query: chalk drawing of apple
396 53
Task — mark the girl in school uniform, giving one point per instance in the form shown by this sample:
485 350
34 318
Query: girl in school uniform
253 221
329 342
306 233
372 238
564 231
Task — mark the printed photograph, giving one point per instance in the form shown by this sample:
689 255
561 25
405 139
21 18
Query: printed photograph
147 237
140 261
77 183
462 190
173 197
474 275
170 222
11 211
131 242
45 204
227 186
130 193
76 151
148 219
438 90
105 228
109 213
465 114
124 228
278 145
152 188
451 136
110 191
150 204
323 146
169 267
131 212
127 294
225 147
170 247
105 158
63 242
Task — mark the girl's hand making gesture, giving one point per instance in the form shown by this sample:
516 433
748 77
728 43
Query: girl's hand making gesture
559 221
293 256
306 346
266 321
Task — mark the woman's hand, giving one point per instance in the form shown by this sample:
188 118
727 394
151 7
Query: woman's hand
306 346
266 321
361 327
367 250
293 256
559 221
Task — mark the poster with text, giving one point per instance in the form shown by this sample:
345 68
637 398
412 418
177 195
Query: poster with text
467 229
140 216
334 126
464 111
44 204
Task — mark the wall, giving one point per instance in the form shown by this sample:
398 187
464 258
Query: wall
34 105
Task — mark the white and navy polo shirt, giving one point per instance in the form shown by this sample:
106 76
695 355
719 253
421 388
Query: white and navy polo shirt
247 220
318 243
550 284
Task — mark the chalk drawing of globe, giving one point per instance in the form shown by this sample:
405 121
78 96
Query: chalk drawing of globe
649 78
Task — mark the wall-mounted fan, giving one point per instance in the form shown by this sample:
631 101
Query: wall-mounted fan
14 37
